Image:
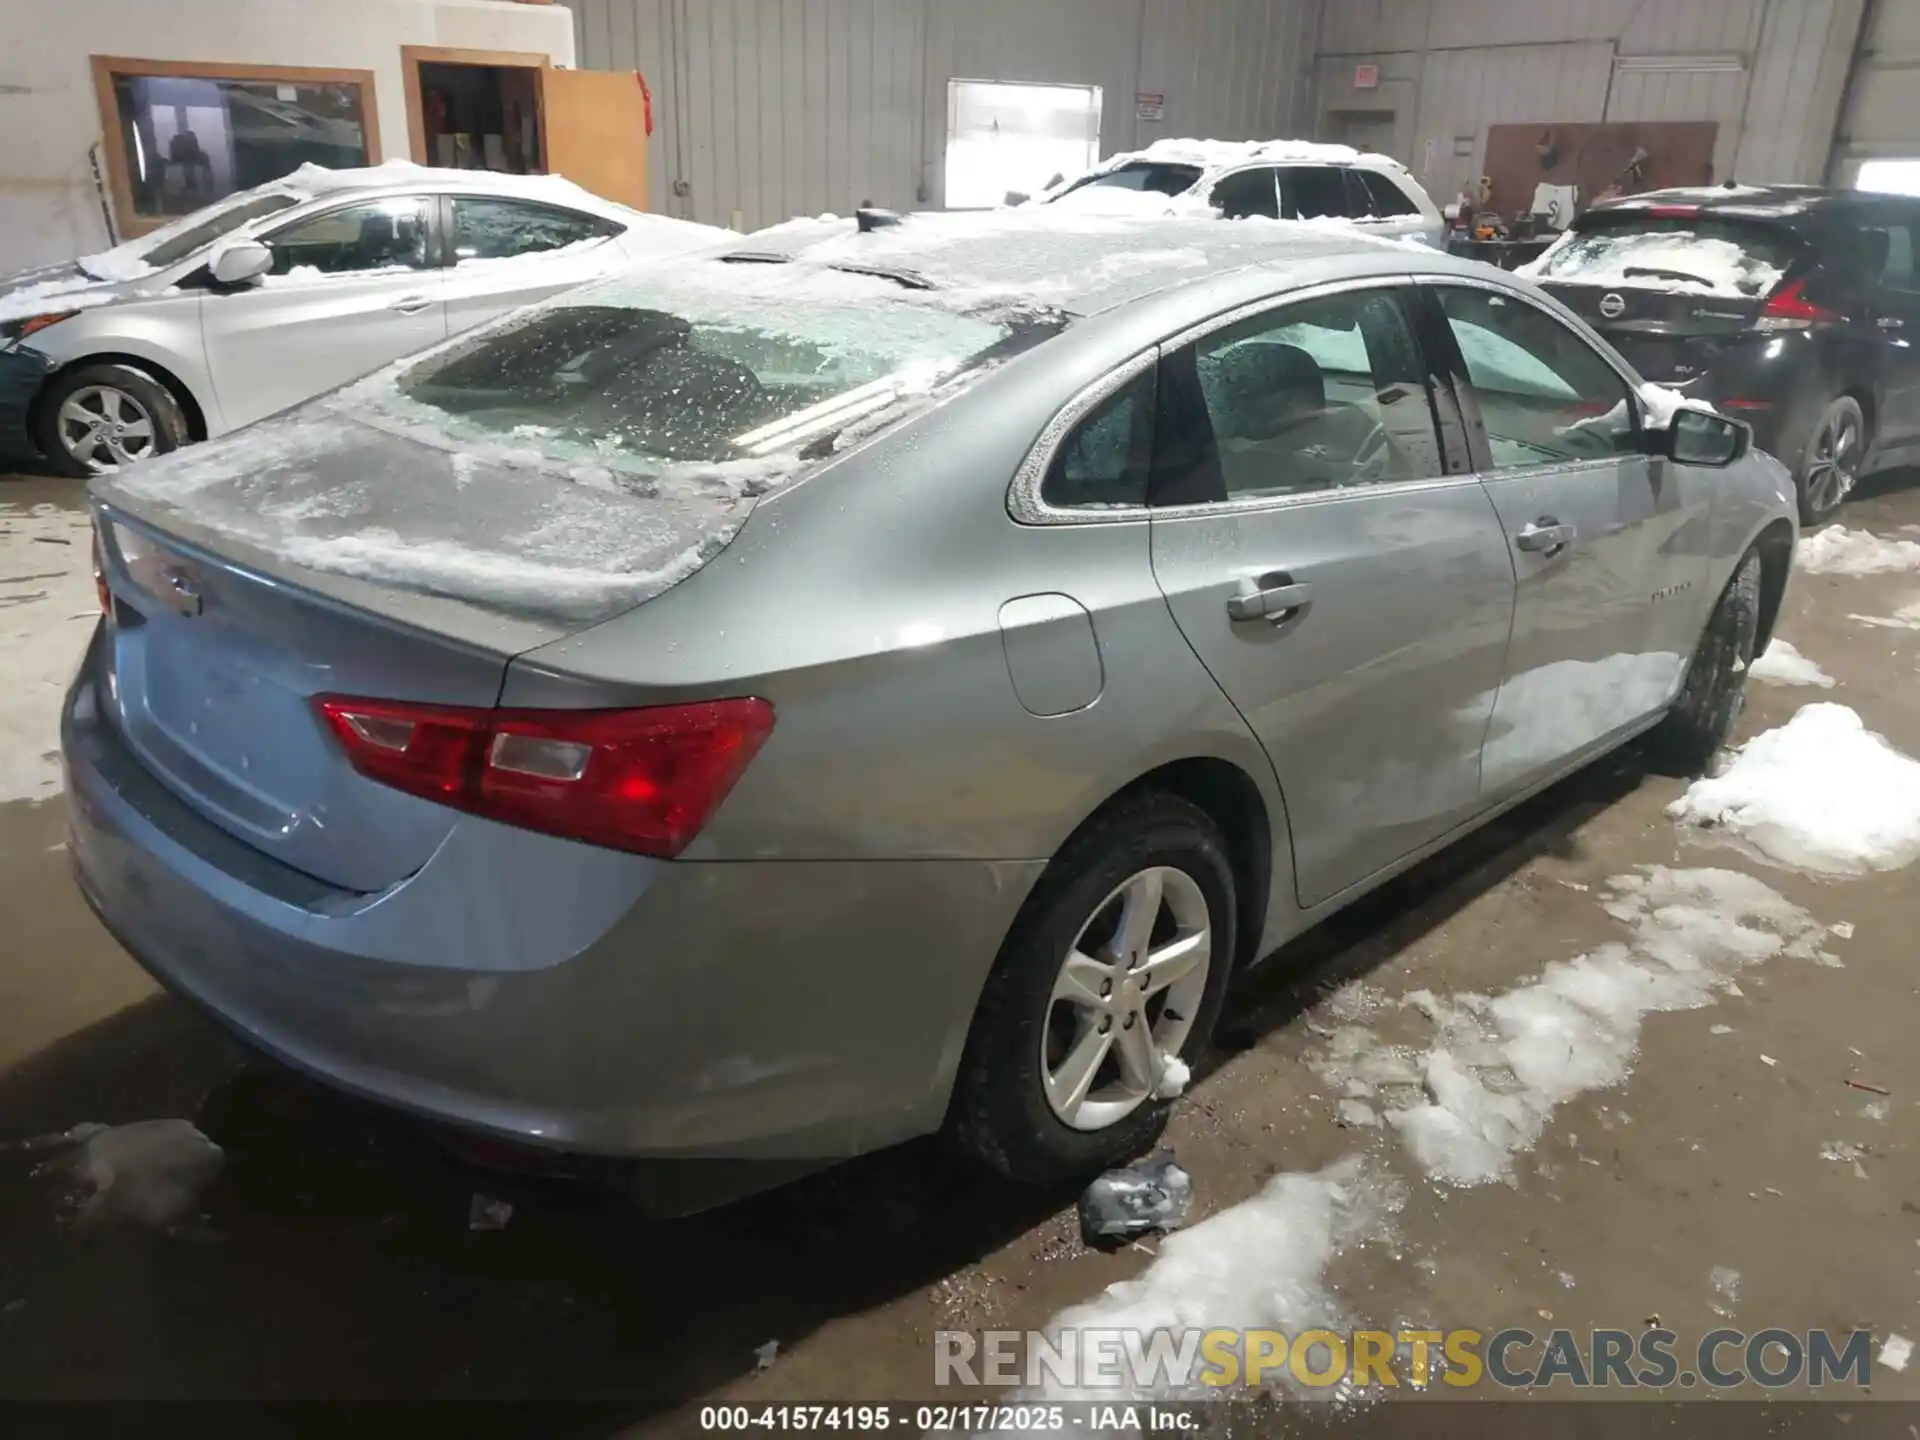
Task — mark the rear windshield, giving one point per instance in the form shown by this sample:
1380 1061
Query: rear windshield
735 362
1146 175
1699 254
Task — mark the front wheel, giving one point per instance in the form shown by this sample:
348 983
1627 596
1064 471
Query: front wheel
1107 988
102 418
1702 719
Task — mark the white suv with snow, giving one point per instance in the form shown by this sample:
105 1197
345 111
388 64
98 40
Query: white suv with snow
1278 179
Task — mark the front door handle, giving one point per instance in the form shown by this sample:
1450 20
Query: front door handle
1273 597
411 304
1544 536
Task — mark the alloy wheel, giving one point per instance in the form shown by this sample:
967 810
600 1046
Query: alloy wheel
105 428
1836 455
1125 998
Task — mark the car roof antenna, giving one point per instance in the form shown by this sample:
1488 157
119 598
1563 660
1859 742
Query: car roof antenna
870 218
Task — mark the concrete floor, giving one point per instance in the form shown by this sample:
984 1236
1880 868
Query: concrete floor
339 1262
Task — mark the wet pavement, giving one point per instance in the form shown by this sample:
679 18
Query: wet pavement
336 1258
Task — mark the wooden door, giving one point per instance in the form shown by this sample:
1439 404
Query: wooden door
595 127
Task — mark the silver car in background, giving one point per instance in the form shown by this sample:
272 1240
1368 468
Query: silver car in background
883 679
277 293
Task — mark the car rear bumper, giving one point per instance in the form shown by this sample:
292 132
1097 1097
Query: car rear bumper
753 1010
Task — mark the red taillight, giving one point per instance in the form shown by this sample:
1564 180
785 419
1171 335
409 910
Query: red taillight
1737 403
1673 212
642 780
1789 309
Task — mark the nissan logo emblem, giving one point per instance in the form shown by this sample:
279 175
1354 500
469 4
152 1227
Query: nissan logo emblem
1612 306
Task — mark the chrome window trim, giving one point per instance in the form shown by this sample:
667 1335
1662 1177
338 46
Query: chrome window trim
1024 502
1250 504
1634 403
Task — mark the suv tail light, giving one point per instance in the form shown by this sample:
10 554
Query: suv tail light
642 780
1789 309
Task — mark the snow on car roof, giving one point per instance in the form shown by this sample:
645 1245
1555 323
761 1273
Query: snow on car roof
1225 154
1047 258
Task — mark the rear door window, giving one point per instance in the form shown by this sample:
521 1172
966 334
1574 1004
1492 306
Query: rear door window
485 228
1247 192
1545 395
1310 192
1322 394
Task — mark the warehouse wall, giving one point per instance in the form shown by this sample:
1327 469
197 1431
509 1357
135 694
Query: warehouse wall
49 207
765 109
1771 72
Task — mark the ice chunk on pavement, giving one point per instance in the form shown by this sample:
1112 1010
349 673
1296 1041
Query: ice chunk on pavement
1895 1351
1260 1264
1820 793
151 1173
1136 1199
1837 550
1784 665
1726 1286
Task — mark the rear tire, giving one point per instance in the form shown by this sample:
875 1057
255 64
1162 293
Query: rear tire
1827 464
1711 697
1005 1111
100 418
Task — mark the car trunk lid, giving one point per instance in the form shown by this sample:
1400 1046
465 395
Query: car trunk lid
1669 287
310 557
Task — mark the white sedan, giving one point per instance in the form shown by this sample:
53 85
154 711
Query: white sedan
280 292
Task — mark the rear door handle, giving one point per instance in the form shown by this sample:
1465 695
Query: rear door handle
1272 597
1544 536
411 304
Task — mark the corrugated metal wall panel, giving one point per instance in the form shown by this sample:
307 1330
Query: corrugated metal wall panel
770 108
1462 92
1776 110
1230 69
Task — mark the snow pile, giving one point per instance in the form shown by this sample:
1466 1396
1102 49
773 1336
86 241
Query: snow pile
47 614
1676 261
1484 1088
150 1174
1906 617
1260 1264
1821 793
1836 550
1784 665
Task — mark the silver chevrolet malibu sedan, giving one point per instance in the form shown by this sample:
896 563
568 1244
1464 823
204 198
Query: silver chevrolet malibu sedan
885 678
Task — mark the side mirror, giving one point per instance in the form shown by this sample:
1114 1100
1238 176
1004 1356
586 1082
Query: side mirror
1016 197
1698 438
241 262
